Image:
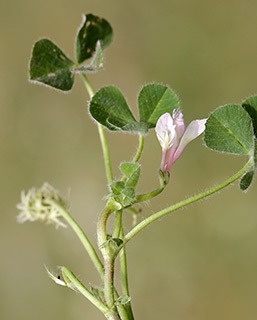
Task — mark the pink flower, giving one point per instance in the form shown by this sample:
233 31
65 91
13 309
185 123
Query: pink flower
173 136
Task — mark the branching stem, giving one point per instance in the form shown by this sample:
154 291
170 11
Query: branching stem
182 204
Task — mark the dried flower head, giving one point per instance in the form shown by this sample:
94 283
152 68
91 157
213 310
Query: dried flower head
34 206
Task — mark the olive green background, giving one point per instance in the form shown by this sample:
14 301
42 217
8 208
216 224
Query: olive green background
200 263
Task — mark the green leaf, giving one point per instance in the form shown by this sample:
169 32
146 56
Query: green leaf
123 300
95 65
250 105
109 107
246 180
128 168
248 176
113 243
98 293
132 171
128 196
117 187
155 100
50 66
57 279
229 129
117 241
92 29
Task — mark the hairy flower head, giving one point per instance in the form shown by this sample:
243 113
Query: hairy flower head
34 206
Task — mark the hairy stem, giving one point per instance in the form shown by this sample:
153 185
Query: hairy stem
106 155
108 280
81 235
182 204
140 149
105 246
118 233
154 193
110 207
83 290
149 195
124 277
101 132
117 224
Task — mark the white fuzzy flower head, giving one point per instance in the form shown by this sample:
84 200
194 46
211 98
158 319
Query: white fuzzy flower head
34 206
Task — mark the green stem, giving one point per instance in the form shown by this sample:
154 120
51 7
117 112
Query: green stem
122 311
108 279
107 253
140 149
88 85
154 193
118 233
107 162
81 235
149 195
83 290
89 248
138 154
182 204
117 224
124 277
101 132
110 207
134 214
124 274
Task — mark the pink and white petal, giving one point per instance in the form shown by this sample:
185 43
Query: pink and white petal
171 157
165 130
164 122
179 122
163 161
194 129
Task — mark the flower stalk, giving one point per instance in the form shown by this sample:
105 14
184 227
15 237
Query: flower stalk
140 226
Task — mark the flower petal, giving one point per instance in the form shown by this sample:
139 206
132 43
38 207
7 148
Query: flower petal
164 158
179 122
165 130
170 157
194 129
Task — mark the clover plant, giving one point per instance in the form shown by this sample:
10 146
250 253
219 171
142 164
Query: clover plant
230 128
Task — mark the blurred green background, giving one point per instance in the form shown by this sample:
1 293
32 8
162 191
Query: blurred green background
197 264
